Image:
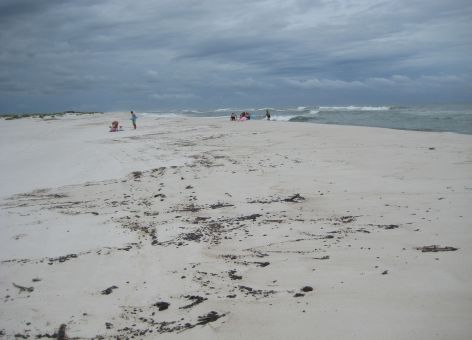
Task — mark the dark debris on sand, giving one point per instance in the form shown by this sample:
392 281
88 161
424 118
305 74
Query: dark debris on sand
220 205
162 305
233 276
326 257
388 226
202 225
196 299
62 258
210 317
59 335
296 198
109 290
435 248
161 327
137 174
196 236
23 289
255 292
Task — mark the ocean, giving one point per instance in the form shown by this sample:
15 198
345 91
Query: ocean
441 118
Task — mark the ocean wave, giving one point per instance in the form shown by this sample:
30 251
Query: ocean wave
282 118
162 114
452 118
267 108
191 111
354 108
301 119
212 117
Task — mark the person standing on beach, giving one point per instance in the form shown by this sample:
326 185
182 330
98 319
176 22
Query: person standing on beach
133 119
267 114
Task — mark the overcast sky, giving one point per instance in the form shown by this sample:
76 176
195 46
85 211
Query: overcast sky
57 55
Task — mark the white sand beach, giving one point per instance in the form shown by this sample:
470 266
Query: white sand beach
202 228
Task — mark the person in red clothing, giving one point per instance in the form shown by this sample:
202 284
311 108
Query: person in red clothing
114 126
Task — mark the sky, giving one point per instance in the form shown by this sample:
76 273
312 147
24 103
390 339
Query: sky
108 55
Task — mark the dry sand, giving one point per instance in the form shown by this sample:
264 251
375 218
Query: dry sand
207 229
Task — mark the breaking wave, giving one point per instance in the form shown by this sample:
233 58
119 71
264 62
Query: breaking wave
354 108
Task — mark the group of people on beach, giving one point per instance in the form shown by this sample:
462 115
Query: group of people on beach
243 116
247 116
115 126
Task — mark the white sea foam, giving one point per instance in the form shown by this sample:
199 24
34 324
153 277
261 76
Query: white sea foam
281 118
213 117
147 114
314 112
191 111
354 108
161 115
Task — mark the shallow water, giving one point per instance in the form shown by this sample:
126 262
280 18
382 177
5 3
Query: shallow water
443 118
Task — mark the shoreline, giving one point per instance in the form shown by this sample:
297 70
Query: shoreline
252 229
296 116
13 116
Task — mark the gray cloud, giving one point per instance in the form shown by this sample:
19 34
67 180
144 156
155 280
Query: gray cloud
156 54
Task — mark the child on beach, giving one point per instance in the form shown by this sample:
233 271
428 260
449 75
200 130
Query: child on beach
114 126
133 119
267 114
244 116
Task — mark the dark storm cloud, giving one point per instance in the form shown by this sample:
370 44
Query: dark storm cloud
15 9
151 54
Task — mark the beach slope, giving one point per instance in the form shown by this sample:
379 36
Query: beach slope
204 228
